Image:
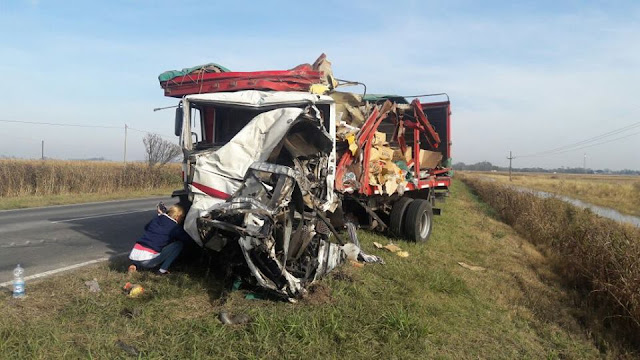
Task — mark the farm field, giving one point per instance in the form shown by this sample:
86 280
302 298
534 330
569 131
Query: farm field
592 254
32 183
621 193
423 306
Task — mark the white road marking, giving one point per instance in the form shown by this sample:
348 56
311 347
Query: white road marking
87 203
98 216
66 268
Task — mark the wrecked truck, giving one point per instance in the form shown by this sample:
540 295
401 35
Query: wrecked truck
273 175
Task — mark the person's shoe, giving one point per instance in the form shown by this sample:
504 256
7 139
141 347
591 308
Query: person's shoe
161 272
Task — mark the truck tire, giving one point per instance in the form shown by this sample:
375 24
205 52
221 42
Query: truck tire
396 218
418 221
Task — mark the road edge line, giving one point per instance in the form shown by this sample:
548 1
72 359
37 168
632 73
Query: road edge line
65 268
86 203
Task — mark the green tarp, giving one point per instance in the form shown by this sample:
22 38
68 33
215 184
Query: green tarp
211 67
382 97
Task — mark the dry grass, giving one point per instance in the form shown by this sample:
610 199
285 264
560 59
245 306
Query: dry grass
621 193
423 306
594 254
21 202
36 178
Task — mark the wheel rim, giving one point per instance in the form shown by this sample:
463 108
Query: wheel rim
425 225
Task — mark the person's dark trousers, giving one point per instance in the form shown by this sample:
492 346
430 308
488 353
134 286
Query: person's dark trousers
166 257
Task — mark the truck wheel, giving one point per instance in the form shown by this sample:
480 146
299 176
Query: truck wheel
418 221
397 215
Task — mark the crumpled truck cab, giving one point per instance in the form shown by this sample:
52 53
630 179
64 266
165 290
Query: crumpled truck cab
259 172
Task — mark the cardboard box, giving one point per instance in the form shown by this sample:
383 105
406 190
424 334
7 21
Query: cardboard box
386 153
429 159
399 156
379 138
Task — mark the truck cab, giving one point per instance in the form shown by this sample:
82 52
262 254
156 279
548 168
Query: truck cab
206 122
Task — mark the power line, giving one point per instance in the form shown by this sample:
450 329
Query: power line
151 132
81 125
567 148
61 124
592 145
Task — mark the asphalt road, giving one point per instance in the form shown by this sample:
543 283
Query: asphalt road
49 238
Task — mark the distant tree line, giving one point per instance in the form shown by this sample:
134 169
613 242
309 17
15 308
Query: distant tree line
487 166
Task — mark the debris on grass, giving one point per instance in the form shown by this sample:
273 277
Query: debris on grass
393 248
471 267
131 270
133 290
93 285
356 264
130 313
253 296
229 319
127 348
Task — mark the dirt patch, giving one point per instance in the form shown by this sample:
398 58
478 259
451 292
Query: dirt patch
318 294
343 275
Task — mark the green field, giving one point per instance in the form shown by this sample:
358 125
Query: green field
423 306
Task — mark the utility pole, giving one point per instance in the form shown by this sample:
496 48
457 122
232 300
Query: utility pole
42 149
125 144
510 158
584 163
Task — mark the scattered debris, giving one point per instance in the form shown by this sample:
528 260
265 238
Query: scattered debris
228 319
392 248
361 255
471 267
130 313
351 251
370 258
93 285
133 290
127 348
253 296
131 270
236 284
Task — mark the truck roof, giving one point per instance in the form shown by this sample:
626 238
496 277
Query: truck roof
257 98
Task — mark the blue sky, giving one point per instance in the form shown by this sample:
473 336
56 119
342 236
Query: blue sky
526 77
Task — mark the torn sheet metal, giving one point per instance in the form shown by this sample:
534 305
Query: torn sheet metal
218 174
271 184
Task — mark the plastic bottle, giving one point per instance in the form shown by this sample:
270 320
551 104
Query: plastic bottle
18 282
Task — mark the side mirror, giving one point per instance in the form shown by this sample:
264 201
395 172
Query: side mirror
178 122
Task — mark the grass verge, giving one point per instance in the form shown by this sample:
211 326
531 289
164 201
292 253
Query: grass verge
423 306
598 256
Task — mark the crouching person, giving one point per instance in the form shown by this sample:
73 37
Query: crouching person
162 241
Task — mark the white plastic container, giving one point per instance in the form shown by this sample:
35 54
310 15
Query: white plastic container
18 282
